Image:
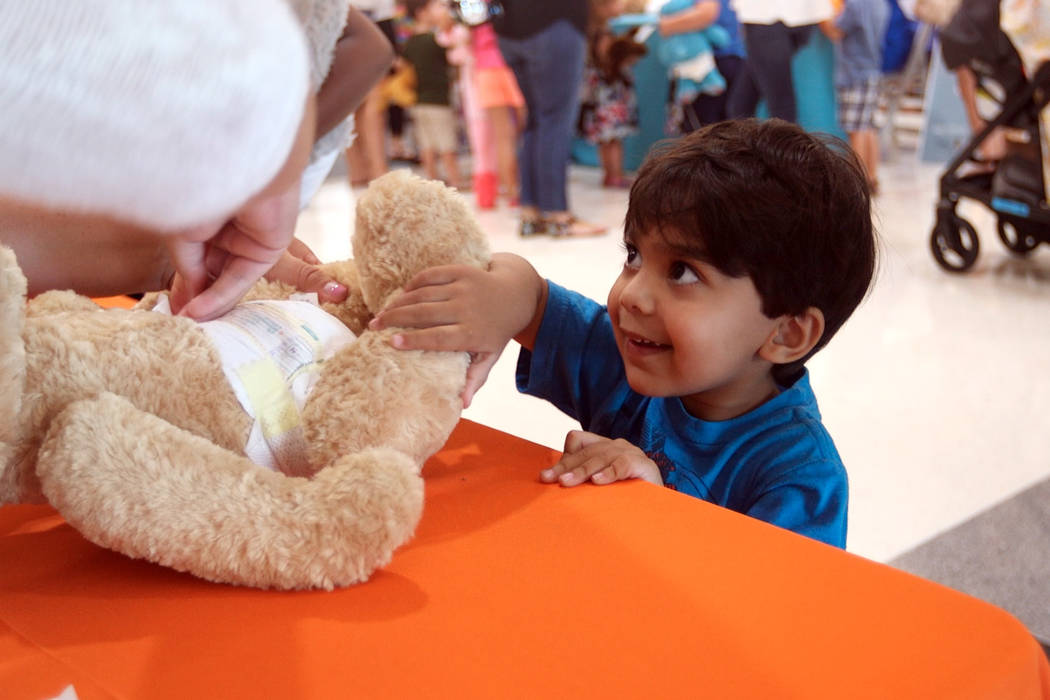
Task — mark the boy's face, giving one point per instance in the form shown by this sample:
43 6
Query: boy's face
685 329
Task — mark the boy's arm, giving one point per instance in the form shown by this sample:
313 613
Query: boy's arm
462 308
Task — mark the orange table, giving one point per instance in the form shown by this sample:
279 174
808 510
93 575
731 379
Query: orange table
512 588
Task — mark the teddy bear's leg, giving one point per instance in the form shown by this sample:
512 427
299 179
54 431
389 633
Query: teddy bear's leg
12 368
131 482
371 394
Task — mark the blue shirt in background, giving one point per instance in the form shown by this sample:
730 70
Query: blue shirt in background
776 463
728 21
858 56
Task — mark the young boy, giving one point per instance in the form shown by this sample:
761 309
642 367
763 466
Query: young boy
858 30
748 244
432 115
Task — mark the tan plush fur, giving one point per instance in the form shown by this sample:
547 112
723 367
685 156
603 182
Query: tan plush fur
124 422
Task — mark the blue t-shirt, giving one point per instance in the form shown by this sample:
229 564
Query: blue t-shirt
727 20
776 463
858 56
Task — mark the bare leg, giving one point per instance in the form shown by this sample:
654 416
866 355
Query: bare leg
428 159
373 128
611 153
450 163
504 135
871 158
356 161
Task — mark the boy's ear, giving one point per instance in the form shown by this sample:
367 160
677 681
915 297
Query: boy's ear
793 337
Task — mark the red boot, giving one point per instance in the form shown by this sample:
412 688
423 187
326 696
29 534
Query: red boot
486 187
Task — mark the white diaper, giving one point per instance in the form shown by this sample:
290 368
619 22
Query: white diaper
272 352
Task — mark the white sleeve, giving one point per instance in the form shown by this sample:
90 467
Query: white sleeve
165 114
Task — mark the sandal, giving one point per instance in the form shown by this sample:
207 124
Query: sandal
574 228
532 227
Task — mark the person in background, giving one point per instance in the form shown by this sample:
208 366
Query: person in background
609 110
366 157
773 33
432 115
858 30
748 244
729 59
543 42
502 104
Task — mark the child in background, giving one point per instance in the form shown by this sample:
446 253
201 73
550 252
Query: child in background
503 105
492 104
609 109
858 30
748 245
432 115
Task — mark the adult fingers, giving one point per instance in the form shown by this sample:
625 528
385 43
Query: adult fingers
307 277
303 252
190 261
226 290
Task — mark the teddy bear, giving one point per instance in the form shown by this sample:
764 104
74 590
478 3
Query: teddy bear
126 422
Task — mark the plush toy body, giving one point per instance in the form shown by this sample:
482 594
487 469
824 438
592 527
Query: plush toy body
124 420
688 56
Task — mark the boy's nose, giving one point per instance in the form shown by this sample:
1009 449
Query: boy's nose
636 295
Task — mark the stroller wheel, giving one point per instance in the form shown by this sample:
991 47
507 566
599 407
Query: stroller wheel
954 242
1015 237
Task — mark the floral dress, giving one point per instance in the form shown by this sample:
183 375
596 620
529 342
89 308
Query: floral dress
609 108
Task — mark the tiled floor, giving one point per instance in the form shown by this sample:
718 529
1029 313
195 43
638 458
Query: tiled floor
937 391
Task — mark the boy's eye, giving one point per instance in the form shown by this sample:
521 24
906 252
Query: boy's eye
633 260
680 273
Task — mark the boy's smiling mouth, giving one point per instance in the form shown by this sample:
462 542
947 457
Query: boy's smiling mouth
635 343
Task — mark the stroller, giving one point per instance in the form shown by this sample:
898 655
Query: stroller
1016 190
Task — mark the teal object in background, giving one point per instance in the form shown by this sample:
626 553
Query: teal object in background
813 70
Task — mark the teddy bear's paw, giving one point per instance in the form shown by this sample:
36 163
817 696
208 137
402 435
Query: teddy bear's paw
134 483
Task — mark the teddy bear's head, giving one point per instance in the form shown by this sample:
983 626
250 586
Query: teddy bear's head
405 224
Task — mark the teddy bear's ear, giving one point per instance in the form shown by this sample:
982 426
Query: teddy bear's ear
406 224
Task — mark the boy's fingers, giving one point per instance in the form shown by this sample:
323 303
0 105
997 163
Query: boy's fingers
445 338
422 316
480 366
576 440
443 274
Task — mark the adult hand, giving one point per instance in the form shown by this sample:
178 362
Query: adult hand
216 263
215 266
601 460
298 267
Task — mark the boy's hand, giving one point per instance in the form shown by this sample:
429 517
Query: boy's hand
463 308
601 460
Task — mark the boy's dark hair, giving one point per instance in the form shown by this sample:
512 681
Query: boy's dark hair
412 7
788 209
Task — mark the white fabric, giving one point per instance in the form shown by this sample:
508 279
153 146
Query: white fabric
323 22
271 353
166 114
794 13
